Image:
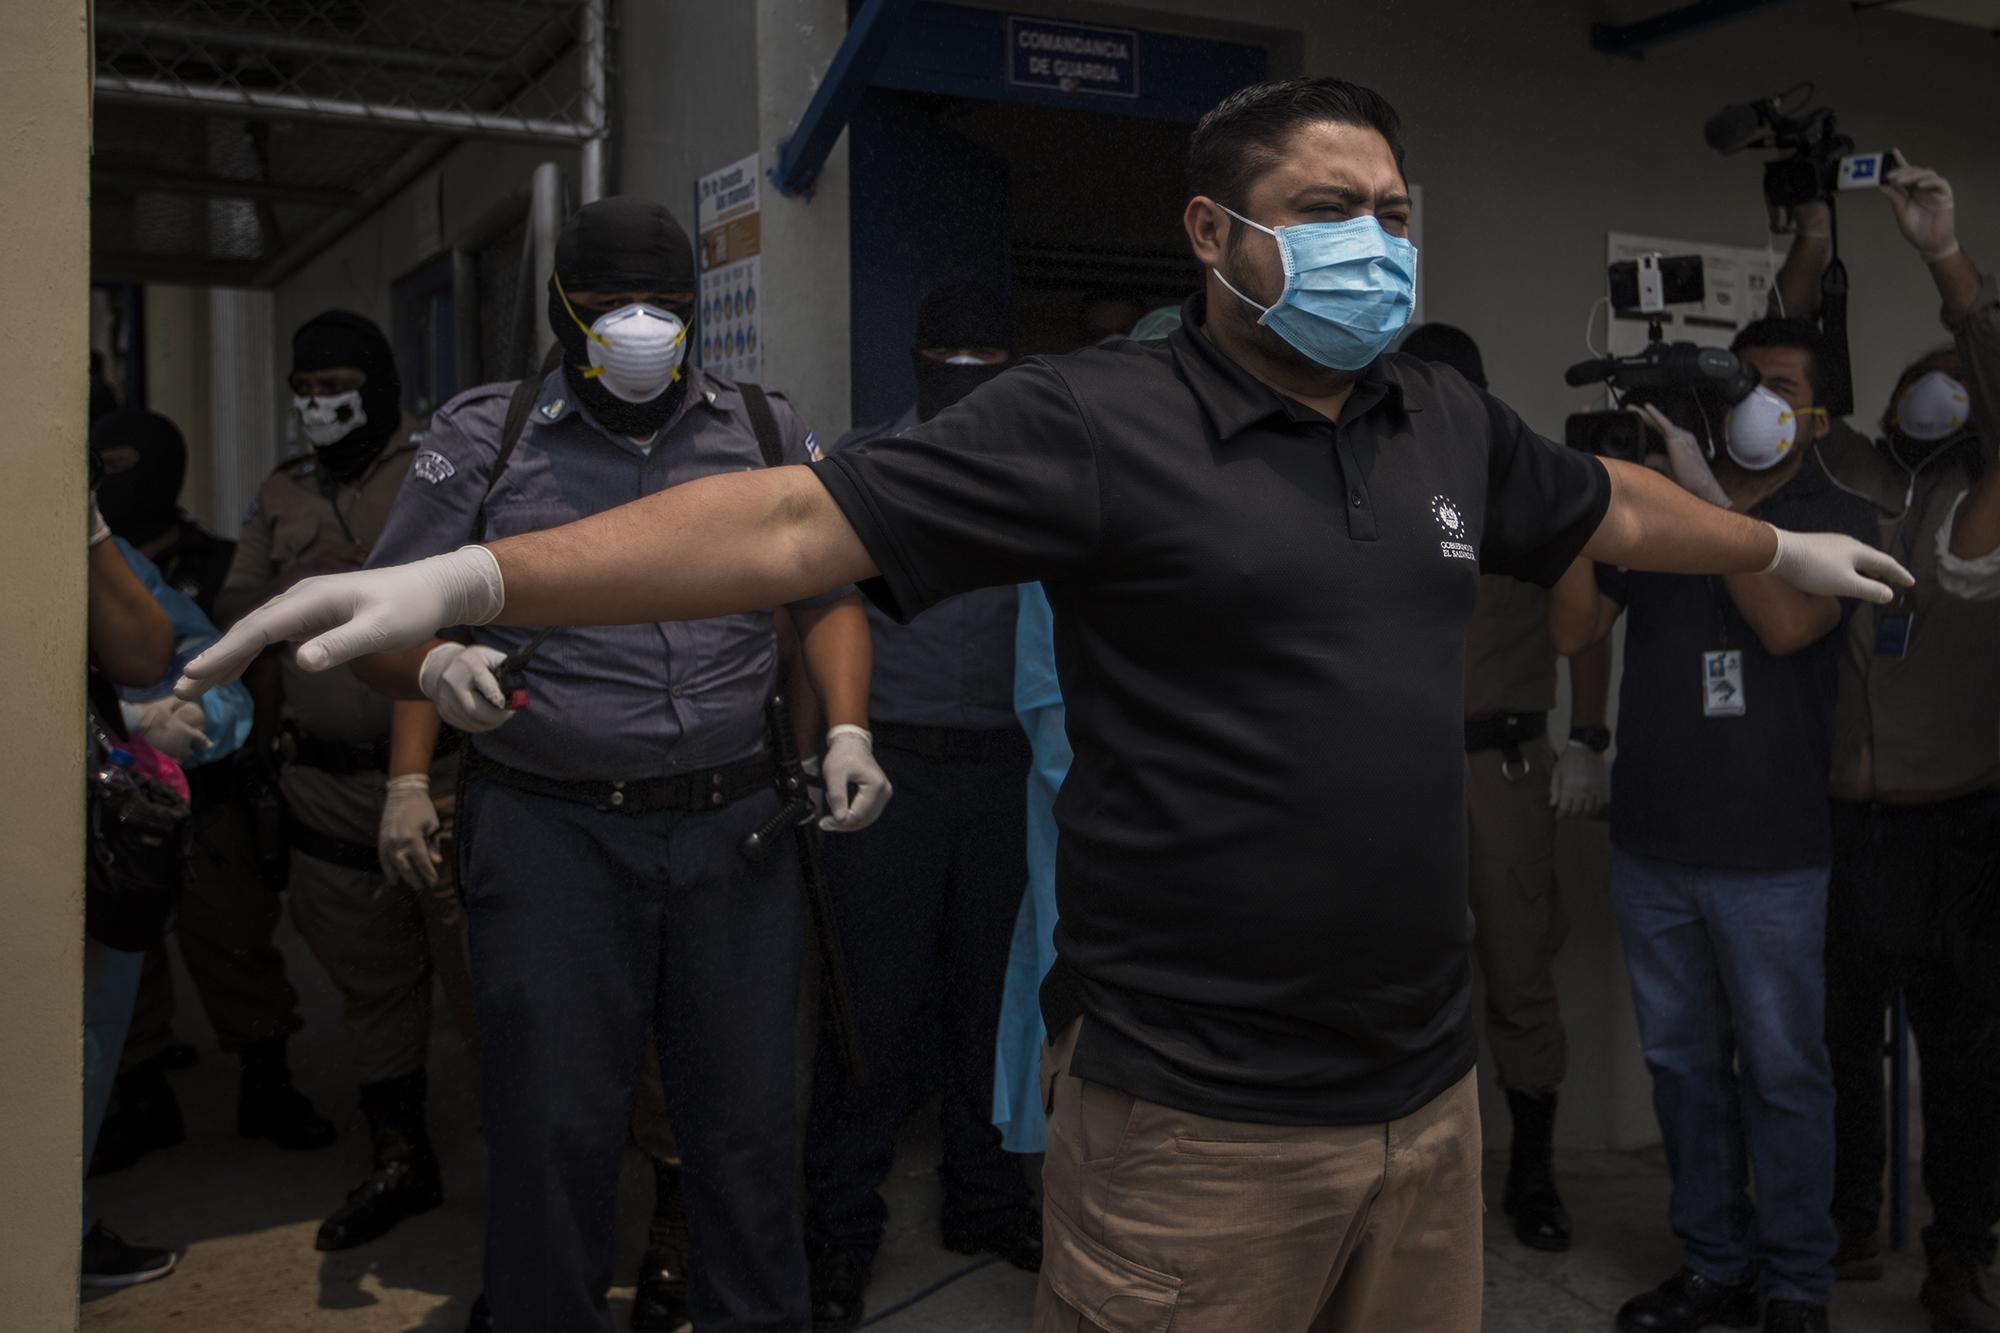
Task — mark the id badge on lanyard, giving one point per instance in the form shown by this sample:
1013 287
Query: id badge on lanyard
1722 684
1722 668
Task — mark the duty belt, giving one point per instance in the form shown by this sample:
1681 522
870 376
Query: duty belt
344 758
705 789
1507 733
982 744
334 851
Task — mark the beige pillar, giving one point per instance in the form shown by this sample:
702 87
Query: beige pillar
44 356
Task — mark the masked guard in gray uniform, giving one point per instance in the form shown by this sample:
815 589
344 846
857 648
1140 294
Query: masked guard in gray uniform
603 822
927 898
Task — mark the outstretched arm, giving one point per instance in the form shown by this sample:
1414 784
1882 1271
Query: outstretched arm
720 545
1652 524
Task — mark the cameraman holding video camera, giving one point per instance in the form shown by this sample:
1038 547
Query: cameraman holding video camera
1916 782
1720 857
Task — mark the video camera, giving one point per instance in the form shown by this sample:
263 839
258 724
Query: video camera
1819 160
1694 386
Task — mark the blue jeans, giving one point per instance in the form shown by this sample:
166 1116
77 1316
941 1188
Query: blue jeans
1728 977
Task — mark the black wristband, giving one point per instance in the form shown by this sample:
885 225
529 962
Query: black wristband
1596 738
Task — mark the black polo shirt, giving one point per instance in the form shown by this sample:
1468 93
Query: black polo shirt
1732 792
1260 623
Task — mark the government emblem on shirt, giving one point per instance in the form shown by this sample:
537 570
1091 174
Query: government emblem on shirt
1446 512
433 466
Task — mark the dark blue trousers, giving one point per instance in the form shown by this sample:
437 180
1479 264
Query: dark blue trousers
587 929
926 901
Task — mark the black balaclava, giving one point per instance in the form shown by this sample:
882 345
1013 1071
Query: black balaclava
620 244
1446 345
340 339
963 314
141 501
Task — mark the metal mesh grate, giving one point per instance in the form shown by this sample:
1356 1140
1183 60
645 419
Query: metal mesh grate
233 137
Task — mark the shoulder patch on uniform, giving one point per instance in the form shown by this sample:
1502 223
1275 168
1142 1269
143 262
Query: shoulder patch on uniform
433 467
299 463
812 447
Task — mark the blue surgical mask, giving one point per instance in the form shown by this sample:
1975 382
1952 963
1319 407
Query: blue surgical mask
1349 289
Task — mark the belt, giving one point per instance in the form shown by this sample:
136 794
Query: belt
343 758
332 850
982 744
704 789
1506 732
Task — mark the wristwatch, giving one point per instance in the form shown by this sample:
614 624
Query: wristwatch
1597 738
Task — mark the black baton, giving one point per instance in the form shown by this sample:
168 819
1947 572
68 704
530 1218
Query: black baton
799 814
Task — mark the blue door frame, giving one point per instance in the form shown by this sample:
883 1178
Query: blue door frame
928 206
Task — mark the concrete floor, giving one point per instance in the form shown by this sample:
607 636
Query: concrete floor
243 1216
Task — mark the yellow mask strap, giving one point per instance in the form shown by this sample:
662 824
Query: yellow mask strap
589 372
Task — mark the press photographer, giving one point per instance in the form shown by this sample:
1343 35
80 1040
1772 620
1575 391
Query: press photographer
1720 845
1916 785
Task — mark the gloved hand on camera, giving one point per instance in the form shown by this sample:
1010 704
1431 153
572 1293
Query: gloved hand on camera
857 790
1685 463
1922 202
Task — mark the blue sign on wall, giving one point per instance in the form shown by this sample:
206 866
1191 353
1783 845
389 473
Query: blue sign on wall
1072 58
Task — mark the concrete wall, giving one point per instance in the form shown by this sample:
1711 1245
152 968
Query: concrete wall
178 384
45 103
721 82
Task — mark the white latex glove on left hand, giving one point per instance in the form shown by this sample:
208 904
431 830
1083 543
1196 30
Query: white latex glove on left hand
460 681
1581 783
857 789
174 727
1924 211
1685 463
406 840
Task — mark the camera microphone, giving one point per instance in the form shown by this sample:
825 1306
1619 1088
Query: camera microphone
1590 372
1735 126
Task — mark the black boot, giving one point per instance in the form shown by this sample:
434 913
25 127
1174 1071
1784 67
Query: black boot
1688 1302
404 1181
1955 1293
144 1115
1794 1317
660 1301
269 1107
1015 1235
839 1288
1540 1220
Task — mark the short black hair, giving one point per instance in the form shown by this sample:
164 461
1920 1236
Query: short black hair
1790 331
1245 134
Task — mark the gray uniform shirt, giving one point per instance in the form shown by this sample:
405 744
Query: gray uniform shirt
952 666
608 701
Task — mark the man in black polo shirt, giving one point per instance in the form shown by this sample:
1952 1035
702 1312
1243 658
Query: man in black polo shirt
1262 540
1721 845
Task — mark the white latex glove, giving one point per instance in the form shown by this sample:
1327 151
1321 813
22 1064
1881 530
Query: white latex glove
460 681
407 837
1685 463
174 727
100 531
1922 203
1581 783
345 616
1832 564
856 787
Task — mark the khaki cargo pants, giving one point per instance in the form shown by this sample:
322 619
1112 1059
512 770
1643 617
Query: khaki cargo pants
1518 918
1161 1221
